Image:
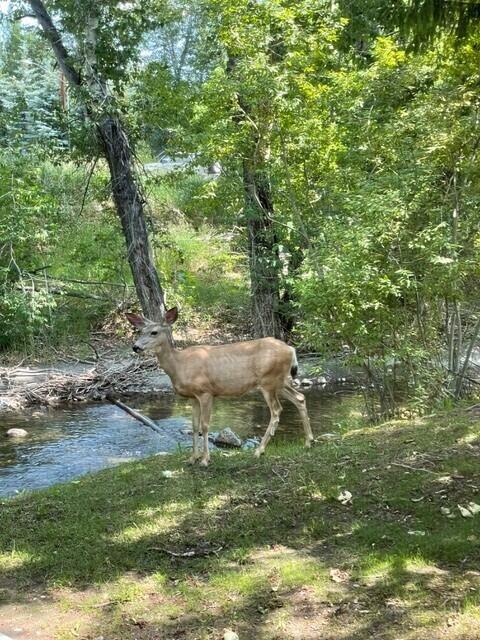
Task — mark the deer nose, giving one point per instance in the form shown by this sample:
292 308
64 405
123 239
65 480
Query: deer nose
137 349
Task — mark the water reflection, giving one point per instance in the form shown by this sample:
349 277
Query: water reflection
67 442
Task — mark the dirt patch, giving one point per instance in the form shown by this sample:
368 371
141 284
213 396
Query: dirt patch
39 617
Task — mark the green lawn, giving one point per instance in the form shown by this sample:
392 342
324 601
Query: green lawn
273 553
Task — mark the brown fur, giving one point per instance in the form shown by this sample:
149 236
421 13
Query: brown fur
205 372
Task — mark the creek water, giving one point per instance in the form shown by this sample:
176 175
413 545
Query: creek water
66 442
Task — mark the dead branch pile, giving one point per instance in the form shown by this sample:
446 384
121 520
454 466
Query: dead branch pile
24 387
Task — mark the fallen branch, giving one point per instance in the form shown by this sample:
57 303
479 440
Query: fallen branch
57 291
279 475
102 283
135 414
407 466
110 603
188 554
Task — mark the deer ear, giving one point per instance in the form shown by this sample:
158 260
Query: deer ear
171 315
135 319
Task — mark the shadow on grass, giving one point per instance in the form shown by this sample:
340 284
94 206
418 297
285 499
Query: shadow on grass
401 600
401 558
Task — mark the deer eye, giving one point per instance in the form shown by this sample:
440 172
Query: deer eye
153 333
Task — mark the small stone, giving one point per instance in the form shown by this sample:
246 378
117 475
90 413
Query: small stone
230 635
345 497
322 380
473 507
17 433
306 382
413 532
337 575
466 513
228 438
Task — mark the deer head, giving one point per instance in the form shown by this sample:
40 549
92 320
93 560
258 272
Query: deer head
154 336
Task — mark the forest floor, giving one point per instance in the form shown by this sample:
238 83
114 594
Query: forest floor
159 549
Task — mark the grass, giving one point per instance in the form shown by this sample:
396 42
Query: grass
274 554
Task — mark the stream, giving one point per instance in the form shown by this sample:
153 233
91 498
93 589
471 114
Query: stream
70 441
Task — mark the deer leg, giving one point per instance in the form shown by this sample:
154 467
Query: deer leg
275 407
298 399
205 402
195 427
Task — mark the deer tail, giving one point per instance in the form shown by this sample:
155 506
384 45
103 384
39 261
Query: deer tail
294 366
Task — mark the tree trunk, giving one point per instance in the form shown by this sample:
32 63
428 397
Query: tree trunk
126 192
263 252
288 296
129 203
263 255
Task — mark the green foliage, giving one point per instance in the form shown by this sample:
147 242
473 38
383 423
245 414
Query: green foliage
120 29
423 20
163 106
203 273
55 238
402 226
23 316
368 146
30 112
28 222
371 153
178 196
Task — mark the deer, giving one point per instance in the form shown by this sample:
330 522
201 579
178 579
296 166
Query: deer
204 372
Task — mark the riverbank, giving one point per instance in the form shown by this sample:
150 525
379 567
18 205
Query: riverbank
272 548
73 439
61 383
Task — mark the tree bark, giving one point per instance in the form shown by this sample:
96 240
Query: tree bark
126 192
129 203
264 261
263 252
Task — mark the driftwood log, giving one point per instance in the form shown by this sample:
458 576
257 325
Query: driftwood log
134 413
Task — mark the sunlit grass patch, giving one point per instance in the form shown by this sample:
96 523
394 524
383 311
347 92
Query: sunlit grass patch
471 606
152 522
14 559
274 569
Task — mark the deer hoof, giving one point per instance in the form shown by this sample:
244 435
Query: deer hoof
258 452
204 462
192 459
